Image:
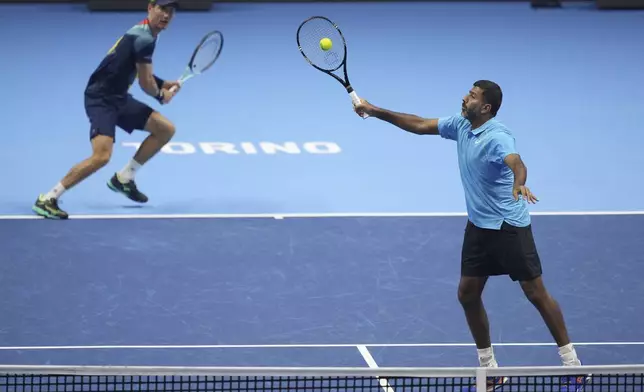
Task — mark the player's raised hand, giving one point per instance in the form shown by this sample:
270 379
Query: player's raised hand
364 107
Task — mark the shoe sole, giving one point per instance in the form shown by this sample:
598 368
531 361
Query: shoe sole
45 214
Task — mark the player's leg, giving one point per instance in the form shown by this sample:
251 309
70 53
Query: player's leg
475 269
476 266
521 259
137 115
470 291
523 264
161 132
549 309
102 120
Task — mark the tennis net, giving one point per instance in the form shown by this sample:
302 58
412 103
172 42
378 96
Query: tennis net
236 379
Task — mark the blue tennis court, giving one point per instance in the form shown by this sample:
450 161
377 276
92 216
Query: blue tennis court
283 230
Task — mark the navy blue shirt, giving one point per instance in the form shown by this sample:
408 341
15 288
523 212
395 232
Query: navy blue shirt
117 72
487 180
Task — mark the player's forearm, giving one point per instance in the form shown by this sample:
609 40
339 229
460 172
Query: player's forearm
520 173
407 122
149 86
160 82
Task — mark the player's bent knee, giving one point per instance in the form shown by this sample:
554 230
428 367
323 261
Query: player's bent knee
470 290
166 130
534 290
170 130
160 127
466 297
102 158
102 150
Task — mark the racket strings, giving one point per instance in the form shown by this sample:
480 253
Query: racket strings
206 54
310 36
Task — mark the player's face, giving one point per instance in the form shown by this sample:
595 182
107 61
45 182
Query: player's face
160 17
474 105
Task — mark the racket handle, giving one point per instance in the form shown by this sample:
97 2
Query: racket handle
174 88
356 100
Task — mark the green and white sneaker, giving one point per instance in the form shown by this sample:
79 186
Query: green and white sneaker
48 208
129 189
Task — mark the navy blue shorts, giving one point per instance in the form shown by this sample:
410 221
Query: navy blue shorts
104 115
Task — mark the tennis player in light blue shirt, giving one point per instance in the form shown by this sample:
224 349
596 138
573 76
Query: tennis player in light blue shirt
487 180
498 236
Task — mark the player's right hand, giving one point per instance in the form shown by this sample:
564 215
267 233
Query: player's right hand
364 107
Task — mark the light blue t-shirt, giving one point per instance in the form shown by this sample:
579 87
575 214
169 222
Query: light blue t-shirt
487 180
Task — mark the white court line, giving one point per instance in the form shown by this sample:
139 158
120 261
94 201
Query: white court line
220 346
372 364
313 215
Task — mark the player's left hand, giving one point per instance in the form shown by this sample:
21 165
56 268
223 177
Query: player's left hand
525 192
167 96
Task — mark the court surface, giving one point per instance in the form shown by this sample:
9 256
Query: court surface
283 230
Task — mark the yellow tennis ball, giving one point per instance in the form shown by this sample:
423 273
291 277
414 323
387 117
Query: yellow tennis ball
325 44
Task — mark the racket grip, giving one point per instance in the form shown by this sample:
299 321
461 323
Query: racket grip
174 88
356 100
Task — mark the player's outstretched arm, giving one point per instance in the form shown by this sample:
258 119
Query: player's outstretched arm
407 122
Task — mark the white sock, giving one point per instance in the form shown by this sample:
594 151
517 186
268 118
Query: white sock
56 192
486 357
129 171
569 355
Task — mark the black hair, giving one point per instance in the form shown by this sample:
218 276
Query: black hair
492 94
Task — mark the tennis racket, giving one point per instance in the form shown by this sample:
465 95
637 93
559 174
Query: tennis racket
309 36
203 57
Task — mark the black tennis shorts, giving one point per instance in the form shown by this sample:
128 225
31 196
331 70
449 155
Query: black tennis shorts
508 251
104 116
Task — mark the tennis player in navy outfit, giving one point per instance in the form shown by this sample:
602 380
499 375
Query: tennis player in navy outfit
498 235
109 104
